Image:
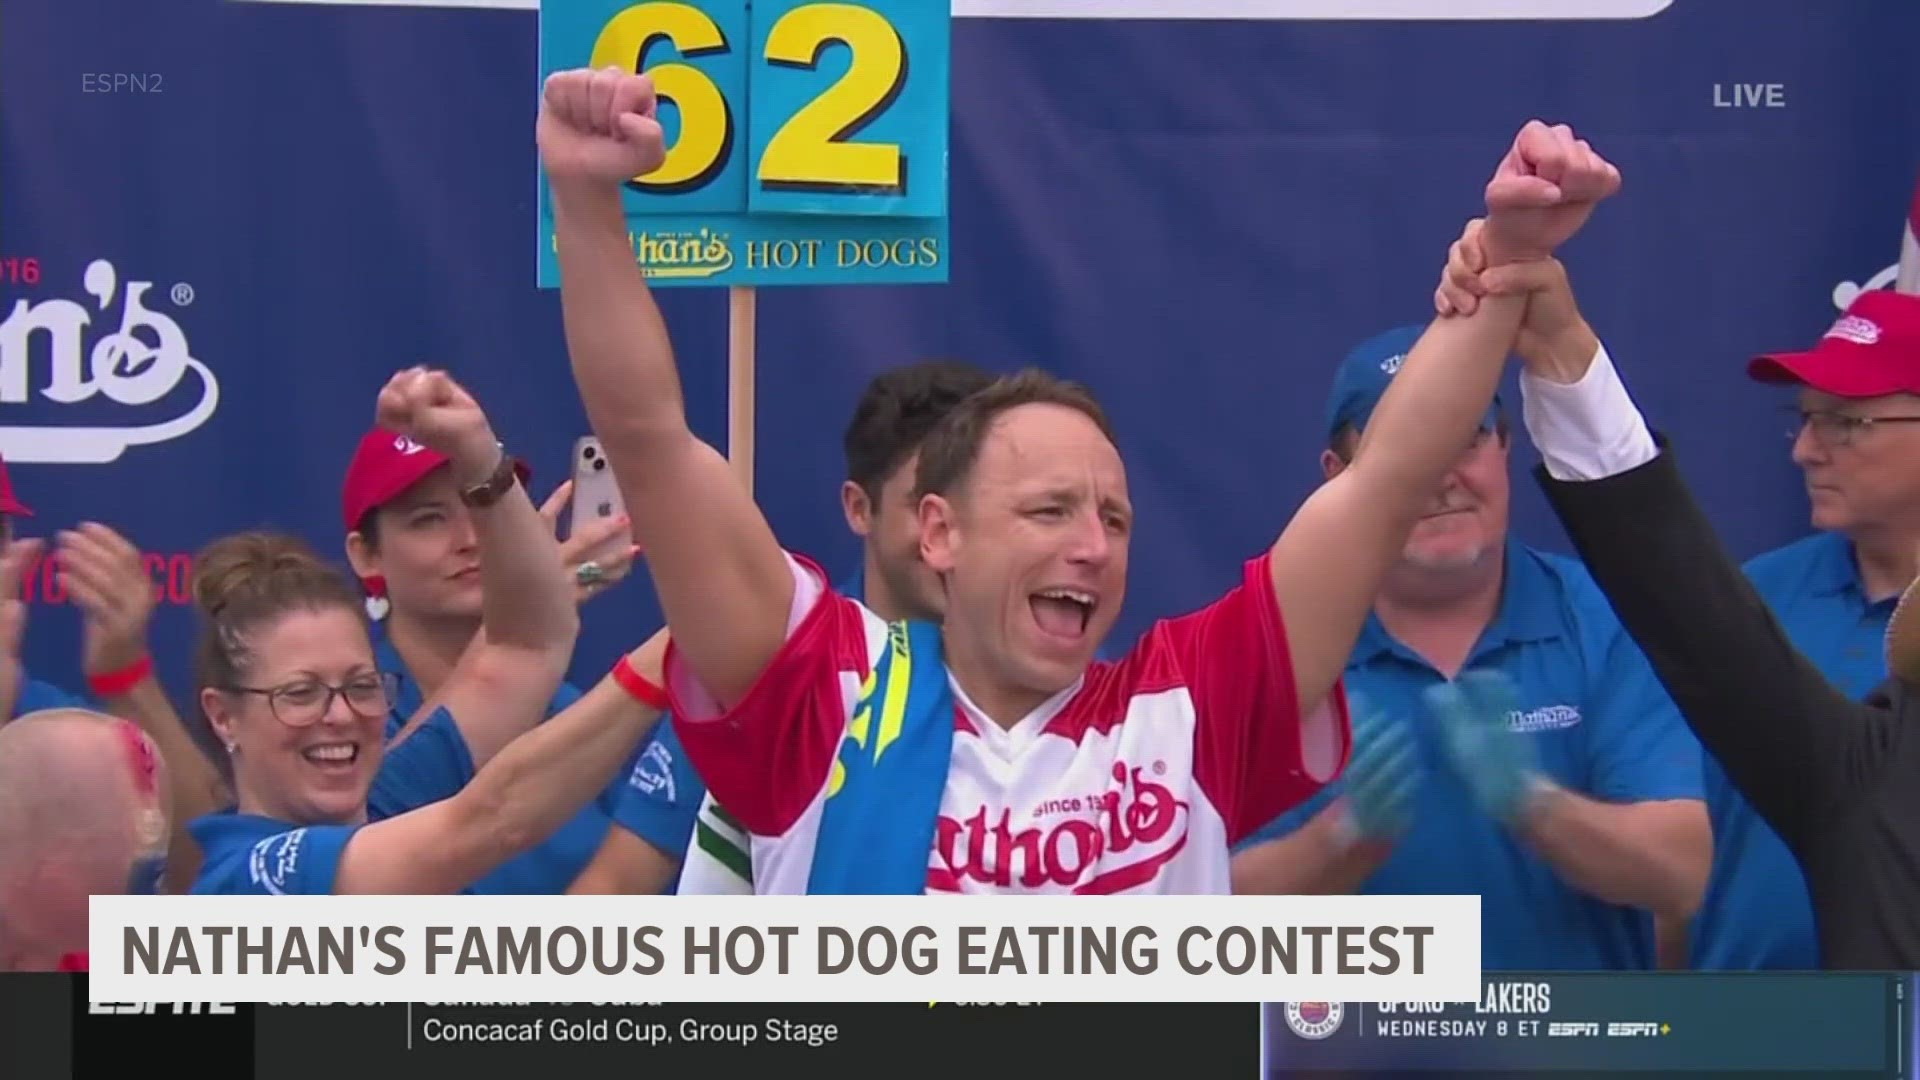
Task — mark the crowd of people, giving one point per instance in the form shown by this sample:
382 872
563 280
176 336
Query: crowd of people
1641 757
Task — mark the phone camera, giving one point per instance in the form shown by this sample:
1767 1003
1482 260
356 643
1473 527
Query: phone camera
589 453
599 465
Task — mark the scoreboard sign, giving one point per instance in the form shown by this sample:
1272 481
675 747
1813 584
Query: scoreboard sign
807 142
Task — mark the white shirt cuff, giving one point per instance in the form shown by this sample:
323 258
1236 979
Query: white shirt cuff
1588 430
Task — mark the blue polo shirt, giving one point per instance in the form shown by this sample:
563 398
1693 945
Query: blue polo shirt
1757 914
35 695
418 778
253 855
1602 726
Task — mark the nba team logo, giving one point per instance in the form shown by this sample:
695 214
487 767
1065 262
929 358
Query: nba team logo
1314 1019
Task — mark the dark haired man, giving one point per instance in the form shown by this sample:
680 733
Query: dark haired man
882 445
990 753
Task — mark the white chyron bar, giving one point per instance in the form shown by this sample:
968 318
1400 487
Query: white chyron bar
486 949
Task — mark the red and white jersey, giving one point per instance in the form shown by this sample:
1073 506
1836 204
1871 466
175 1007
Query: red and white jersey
1137 779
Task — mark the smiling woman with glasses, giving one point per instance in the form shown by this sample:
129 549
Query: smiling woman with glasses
289 683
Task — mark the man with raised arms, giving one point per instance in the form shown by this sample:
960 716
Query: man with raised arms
993 754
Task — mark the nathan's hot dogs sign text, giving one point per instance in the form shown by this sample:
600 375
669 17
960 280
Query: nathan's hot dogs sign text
807 142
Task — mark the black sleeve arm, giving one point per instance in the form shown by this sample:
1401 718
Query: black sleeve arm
1792 743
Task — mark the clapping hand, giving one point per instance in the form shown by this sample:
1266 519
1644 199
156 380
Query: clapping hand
1383 775
1498 764
107 578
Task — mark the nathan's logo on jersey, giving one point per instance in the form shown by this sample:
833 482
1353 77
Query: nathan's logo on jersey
1138 818
135 355
1314 1019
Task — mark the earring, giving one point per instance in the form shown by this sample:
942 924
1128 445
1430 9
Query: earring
377 603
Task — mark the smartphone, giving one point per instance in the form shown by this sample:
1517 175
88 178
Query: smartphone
595 496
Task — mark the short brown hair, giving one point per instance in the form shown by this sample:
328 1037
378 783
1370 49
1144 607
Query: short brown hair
897 411
953 447
245 581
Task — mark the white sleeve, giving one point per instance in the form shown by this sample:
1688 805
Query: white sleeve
1588 430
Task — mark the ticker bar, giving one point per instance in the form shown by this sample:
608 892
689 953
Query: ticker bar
1565 1025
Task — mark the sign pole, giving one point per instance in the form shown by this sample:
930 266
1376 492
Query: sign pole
740 379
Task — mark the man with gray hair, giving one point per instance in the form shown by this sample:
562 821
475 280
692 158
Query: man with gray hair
83 812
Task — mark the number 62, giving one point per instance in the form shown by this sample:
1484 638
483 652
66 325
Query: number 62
812 150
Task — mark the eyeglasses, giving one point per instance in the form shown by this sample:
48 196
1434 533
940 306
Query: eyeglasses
1834 430
304 702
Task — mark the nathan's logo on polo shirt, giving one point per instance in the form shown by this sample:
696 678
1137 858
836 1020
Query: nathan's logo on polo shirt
1545 718
273 860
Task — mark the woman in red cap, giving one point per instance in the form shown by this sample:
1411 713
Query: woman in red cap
413 546
290 683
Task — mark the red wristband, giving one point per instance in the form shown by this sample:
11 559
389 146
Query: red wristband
643 689
115 683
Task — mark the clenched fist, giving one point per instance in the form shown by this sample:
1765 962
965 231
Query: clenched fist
434 411
1543 191
599 127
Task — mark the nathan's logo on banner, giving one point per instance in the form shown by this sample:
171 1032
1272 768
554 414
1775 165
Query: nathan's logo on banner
123 345
699 253
1845 293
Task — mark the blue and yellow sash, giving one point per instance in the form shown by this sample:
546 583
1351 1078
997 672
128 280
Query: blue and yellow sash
883 799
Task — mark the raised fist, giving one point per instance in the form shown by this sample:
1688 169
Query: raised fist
434 411
1542 193
599 127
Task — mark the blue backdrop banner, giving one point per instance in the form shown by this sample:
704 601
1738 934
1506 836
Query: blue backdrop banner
223 224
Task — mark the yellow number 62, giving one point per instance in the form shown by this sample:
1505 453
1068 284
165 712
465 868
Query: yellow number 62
812 150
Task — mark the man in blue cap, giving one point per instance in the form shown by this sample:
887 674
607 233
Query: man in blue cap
1510 741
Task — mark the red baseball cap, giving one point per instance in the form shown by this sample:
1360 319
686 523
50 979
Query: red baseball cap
1872 351
9 502
384 467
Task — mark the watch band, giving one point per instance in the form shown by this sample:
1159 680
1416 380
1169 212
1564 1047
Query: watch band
487 492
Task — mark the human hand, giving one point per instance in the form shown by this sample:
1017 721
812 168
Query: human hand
107 579
599 128
1499 765
433 410
605 543
1383 774
1542 192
